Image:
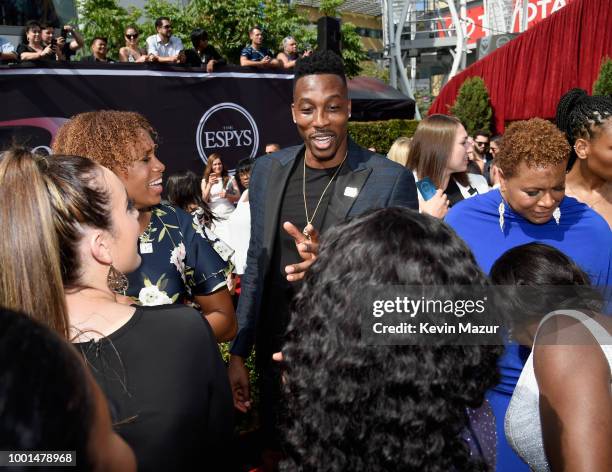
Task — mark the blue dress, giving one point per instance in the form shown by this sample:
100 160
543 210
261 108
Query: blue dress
178 261
581 234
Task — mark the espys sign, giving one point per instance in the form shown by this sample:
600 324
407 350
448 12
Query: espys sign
194 113
227 129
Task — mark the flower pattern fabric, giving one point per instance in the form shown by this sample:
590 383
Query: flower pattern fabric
178 261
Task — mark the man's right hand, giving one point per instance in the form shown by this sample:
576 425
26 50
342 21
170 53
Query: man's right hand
239 381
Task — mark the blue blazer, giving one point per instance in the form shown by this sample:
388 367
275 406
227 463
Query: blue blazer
377 182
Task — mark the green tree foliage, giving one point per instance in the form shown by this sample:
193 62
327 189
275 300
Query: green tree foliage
603 84
228 23
472 106
380 134
371 69
182 20
352 49
107 19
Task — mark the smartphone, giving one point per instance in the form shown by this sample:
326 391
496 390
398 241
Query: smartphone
427 188
229 188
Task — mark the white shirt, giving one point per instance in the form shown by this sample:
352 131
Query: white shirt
155 46
6 47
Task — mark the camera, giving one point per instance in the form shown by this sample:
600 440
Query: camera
53 42
64 33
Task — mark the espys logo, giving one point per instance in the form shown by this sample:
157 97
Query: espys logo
230 130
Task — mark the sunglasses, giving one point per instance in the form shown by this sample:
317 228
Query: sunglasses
131 36
167 27
481 143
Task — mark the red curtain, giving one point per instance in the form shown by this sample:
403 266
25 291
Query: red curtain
527 76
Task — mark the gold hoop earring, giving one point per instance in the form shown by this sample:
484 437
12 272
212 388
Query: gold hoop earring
117 281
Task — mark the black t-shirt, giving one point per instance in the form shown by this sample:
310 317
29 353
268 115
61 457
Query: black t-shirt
93 58
167 387
279 292
194 58
26 48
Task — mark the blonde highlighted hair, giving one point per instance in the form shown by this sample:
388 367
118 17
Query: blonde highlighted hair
399 150
44 202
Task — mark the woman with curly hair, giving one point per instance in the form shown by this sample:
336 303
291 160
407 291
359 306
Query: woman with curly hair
563 392
356 406
587 124
178 264
439 152
529 206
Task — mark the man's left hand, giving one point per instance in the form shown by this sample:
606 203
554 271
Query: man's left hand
308 249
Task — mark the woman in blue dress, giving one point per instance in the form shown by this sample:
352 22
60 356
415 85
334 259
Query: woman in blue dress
178 262
530 206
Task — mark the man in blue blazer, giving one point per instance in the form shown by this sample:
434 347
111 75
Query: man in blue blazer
296 194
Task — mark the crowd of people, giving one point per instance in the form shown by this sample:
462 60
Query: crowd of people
40 46
138 273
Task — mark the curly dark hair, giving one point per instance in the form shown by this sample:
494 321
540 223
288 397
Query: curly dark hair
319 62
536 142
580 115
354 406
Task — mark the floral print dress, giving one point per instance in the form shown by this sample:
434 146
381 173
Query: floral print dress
178 261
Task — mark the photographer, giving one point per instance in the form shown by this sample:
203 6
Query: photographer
32 48
65 49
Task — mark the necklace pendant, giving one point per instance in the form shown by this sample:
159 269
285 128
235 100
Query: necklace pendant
306 233
146 248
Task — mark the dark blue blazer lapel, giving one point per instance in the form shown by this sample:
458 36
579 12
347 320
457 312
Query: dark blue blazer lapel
277 182
348 186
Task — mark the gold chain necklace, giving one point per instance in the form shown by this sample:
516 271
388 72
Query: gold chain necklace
310 219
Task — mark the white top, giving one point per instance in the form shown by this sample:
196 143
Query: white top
240 232
6 46
172 48
221 207
522 422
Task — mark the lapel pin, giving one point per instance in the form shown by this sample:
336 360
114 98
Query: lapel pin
350 192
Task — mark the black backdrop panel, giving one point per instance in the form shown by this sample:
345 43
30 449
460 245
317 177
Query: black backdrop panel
195 114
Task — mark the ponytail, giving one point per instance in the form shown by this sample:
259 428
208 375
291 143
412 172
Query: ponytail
44 203
30 279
